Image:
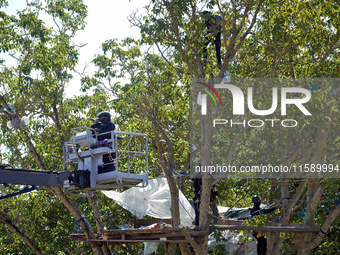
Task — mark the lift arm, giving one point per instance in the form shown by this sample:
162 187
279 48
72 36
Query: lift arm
34 179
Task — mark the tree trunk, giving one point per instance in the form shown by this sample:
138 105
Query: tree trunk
73 208
207 180
306 247
175 216
98 218
185 249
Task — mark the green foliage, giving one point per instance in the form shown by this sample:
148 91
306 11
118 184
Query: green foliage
44 219
257 221
287 39
290 39
152 96
45 57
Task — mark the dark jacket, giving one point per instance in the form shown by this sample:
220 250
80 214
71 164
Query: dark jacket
103 128
214 24
198 188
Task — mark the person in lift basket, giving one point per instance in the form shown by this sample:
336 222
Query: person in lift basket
104 125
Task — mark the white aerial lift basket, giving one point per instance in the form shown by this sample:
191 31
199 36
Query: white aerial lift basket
107 161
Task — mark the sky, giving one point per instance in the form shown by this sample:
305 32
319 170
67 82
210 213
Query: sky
107 19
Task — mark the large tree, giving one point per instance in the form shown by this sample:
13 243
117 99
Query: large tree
281 39
154 101
39 39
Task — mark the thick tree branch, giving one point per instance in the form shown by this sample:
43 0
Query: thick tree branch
9 223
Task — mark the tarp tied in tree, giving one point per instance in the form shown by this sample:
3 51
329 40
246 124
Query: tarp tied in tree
153 200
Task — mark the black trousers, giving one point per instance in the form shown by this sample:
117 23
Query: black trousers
217 41
213 206
261 243
108 163
197 211
262 246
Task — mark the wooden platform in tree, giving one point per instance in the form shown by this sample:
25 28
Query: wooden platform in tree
233 224
166 235
175 235
285 228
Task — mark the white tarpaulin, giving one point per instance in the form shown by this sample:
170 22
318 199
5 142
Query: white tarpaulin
153 200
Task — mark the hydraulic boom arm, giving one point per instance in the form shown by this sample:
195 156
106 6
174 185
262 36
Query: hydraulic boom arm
33 178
